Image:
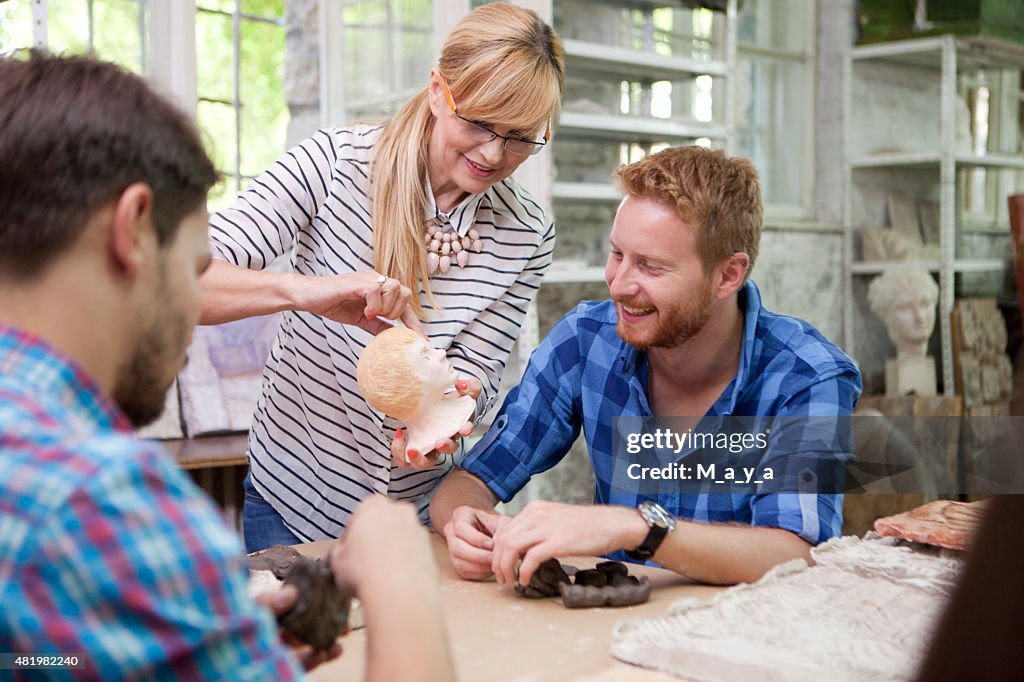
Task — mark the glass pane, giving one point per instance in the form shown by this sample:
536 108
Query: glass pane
388 49
264 111
117 34
214 61
661 28
15 26
774 23
269 9
217 123
67 26
770 124
217 5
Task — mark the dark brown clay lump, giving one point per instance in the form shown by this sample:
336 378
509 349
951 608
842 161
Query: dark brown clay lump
320 614
545 581
625 594
278 559
607 584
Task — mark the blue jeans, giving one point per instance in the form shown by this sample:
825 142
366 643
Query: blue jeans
262 526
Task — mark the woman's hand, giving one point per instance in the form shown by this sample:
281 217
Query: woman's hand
422 460
357 298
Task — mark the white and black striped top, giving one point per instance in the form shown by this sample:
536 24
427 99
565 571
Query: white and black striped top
316 448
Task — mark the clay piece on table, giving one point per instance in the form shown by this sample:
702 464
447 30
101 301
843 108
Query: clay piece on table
320 613
545 581
607 584
278 559
625 594
942 523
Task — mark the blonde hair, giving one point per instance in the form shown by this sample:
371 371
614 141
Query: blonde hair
385 377
503 64
718 195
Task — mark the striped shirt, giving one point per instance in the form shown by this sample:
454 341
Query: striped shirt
107 548
316 449
583 376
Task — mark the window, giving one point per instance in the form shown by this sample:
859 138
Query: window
378 52
774 112
114 30
240 85
239 72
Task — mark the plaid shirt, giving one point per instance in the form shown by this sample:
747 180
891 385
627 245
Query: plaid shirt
584 376
107 549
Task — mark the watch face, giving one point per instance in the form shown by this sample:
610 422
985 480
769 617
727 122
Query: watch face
656 515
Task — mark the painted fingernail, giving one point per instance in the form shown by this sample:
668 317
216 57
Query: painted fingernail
399 433
413 453
461 385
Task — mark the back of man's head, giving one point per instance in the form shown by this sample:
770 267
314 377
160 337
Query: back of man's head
75 132
717 195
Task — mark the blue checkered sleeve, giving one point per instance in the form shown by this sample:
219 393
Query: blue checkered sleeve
804 450
539 420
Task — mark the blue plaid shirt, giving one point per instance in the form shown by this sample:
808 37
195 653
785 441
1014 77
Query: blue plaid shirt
584 376
107 548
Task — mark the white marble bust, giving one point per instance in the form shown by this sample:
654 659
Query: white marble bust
401 375
904 298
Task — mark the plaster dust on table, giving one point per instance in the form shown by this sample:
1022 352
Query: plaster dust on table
864 612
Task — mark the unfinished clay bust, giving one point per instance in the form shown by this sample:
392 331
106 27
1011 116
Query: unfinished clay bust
401 375
904 298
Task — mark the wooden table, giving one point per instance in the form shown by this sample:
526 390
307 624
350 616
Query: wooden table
496 635
209 451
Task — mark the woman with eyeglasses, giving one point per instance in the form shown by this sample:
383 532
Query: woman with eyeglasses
417 220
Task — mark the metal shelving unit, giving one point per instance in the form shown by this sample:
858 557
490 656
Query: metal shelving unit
945 58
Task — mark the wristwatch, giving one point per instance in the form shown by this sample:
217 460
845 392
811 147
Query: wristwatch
660 523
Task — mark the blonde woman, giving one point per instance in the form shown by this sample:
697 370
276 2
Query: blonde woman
416 219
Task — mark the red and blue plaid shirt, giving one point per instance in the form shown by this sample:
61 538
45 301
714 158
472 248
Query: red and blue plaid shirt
107 549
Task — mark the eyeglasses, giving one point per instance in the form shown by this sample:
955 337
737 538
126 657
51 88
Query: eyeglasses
481 133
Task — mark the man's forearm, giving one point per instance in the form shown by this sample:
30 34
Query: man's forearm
726 554
459 489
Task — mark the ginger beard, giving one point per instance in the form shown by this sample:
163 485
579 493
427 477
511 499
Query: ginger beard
665 326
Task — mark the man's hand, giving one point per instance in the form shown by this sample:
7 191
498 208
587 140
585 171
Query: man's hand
446 446
544 530
470 534
280 602
356 298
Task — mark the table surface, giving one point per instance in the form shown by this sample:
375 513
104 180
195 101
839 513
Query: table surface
209 451
497 635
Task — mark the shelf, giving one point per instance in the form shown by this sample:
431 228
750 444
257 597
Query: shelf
568 273
972 53
973 265
634 128
636 65
585 191
934 158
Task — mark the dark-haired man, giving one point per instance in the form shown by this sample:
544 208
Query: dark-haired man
108 551
684 337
